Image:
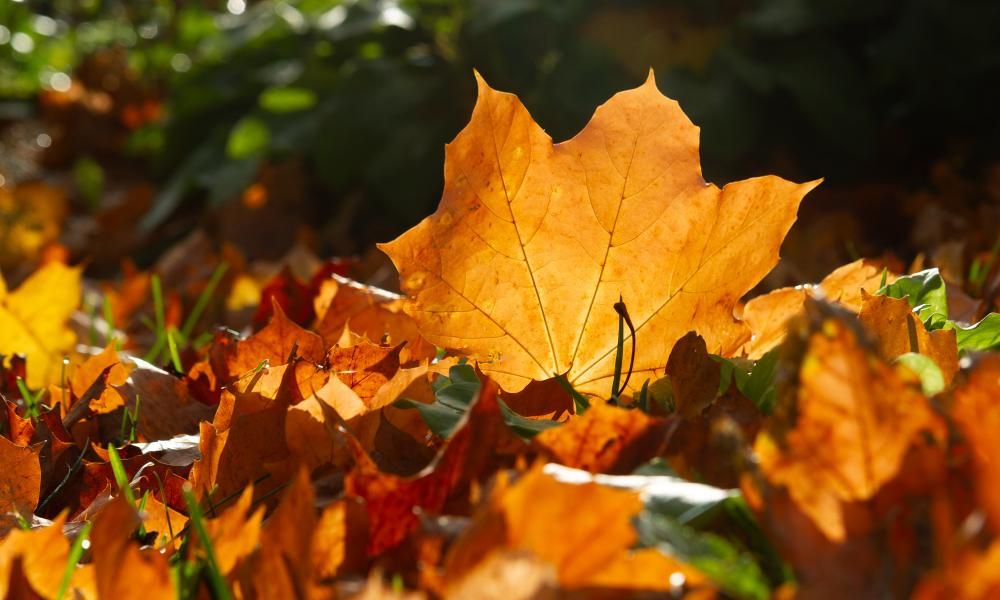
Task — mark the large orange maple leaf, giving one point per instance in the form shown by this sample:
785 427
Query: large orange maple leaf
533 243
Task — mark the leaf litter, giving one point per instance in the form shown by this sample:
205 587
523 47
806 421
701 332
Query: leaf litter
498 428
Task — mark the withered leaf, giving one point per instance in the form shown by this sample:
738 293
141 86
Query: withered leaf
533 243
842 433
33 320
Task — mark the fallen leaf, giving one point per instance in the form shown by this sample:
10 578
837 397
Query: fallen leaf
123 570
283 568
339 538
584 531
977 413
605 439
274 344
85 374
31 217
163 402
42 551
842 432
392 500
33 320
768 315
897 330
235 534
533 243
369 311
694 376
20 481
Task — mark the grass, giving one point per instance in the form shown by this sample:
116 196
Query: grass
220 589
75 554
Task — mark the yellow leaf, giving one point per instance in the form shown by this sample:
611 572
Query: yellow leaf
33 320
533 243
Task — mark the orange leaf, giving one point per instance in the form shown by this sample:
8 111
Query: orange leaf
605 439
123 570
368 311
897 330
843 433
768 315
977 413
236 532
20 480
42 551
274 343
584 531
88 372
533 243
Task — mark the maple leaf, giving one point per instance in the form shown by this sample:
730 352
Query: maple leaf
843 432
898 330
535 515
20 480
33 320
41 551
533 243
768 315
88 372
121 568
605 439
977 413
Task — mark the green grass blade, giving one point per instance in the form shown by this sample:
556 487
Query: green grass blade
175 357
219 586
121 478
202 302
75 554
580 402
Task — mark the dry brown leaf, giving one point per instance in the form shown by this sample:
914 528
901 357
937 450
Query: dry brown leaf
533 243
165 405
338 543
245 442
694 376
843 432
392 500
283 568
20 481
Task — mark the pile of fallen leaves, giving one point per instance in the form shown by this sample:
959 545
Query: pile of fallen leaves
574 399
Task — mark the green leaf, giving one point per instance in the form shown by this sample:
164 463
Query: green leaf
250 136
925 291
452 397
984 335
287 99
523 426
754 379
733 570
89 179
931 378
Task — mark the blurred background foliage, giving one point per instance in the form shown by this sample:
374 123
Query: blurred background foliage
245 112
